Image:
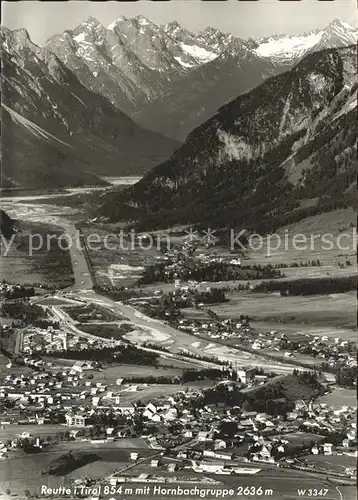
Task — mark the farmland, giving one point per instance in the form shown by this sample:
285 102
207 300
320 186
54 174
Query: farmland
118 260
339 397
111 374
336 223
48 265
86 313
107 330
336 310
20 466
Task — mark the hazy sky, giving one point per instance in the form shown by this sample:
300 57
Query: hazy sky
244 19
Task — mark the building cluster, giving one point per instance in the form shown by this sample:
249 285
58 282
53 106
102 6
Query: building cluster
182 263
178 424
332 351
37 340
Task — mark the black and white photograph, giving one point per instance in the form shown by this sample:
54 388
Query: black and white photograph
178 250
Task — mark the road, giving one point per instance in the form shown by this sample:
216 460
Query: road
81 271
83 289
181 340
63 317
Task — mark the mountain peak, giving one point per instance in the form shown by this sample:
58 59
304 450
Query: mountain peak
142 20
92 21
210 30
236 47
21 34
117 21
171 26
341 27
338 22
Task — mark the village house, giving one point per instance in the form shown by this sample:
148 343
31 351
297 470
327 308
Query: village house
315 450
327 448
263 454
77 420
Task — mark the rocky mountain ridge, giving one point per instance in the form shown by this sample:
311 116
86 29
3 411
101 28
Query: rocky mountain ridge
292 138
141 66
240 67
57 132
132 61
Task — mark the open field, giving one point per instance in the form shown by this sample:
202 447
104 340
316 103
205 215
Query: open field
177 363
13 430
302 438
335 223
110 374
121 447
147 394
339 397
115 330
335 310
89 312
332 463
119 262
23 471
25 262
96 470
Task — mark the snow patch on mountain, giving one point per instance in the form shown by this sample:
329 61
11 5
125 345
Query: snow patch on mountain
199 53
289 46
317 82
80 38
284 115
78 99
183 63
143 21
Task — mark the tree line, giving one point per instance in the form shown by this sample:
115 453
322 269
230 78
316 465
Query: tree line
126 354
306 286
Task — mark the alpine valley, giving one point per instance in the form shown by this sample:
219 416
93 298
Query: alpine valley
177 254
57 132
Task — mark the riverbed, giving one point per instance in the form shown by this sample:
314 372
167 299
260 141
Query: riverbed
18 267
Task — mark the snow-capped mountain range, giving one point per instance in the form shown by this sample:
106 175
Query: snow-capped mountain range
133 61
240 67
292 47
78 100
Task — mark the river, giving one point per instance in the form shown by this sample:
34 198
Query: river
62 216
114 181
16 266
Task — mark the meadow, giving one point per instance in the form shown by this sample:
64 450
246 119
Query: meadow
50 267
334 312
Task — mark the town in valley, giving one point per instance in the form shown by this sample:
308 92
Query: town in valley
144 351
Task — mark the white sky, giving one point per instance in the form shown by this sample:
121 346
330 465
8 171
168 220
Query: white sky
244 19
